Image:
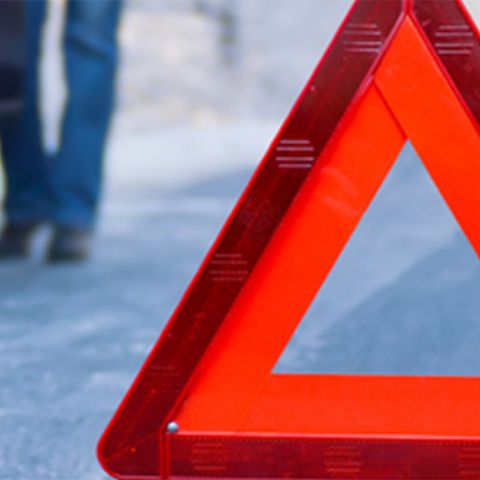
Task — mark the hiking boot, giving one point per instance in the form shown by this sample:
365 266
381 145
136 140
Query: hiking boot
69 244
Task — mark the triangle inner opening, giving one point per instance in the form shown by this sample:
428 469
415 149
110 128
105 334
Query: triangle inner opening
403 296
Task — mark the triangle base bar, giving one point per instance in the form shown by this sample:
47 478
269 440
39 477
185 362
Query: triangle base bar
316 457
367 406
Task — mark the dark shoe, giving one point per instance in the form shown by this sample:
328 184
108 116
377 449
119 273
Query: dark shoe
15 240
69 244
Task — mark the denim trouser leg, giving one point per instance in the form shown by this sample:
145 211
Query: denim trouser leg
91 59
24 161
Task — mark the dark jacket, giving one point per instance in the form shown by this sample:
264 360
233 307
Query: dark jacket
12 56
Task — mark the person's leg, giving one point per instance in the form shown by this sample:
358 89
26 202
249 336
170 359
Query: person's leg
91 60
23 157
25 164
75 179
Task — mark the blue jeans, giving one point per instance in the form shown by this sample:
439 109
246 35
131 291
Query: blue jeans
64 188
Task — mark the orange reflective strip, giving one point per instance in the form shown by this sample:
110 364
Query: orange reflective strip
303 251
367 405
427 108
436 123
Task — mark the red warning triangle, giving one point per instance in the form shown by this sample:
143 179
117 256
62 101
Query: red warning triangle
205 403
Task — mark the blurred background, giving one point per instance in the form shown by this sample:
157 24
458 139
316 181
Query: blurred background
200 64
207 61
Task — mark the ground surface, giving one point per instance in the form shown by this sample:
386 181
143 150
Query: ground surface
403 299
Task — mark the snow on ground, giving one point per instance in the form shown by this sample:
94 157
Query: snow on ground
190 129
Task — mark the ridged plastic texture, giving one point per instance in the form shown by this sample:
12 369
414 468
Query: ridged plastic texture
323 458
454 38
